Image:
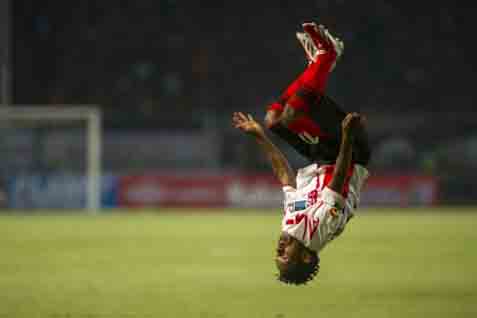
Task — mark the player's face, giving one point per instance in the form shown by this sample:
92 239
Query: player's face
289 251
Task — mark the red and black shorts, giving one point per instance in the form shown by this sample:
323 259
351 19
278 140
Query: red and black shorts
316 133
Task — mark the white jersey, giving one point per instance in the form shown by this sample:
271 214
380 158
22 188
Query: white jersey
315 214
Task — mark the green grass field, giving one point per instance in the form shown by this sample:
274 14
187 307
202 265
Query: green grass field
409 263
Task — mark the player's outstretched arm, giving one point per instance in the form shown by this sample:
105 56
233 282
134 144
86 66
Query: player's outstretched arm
280 164
350 124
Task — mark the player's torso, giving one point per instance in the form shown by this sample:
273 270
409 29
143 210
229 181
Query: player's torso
313 222
308 217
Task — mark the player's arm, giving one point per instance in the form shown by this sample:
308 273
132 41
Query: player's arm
349 126
280 164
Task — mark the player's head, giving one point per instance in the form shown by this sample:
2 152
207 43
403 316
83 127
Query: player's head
295 262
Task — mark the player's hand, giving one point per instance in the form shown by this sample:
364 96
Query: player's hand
247 124
351 123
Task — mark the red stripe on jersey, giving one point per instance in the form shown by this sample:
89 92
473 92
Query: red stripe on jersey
329 175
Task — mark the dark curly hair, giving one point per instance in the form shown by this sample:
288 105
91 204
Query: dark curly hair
300 273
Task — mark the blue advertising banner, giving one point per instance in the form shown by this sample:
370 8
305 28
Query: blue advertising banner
56 192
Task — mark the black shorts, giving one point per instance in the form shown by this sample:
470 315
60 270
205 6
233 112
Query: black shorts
327 114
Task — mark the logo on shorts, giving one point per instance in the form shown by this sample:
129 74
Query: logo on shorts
309 139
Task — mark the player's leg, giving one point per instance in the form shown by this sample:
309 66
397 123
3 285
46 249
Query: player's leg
323 40
287 117
302 92
317 47
276 115
313 81
275 122
324 111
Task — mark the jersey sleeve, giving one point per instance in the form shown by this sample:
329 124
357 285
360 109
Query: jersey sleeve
332 198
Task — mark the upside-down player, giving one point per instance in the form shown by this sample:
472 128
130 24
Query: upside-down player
322 197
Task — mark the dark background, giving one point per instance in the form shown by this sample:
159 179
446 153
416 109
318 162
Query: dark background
142 57
185 65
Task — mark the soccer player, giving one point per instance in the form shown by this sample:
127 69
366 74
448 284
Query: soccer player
321 198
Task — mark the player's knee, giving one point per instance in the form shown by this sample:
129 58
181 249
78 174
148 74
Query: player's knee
288 115
271 119
269 123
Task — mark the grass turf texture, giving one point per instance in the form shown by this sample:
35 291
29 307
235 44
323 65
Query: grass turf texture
392 264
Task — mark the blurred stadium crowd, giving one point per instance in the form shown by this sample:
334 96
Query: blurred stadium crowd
222 56
181 67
